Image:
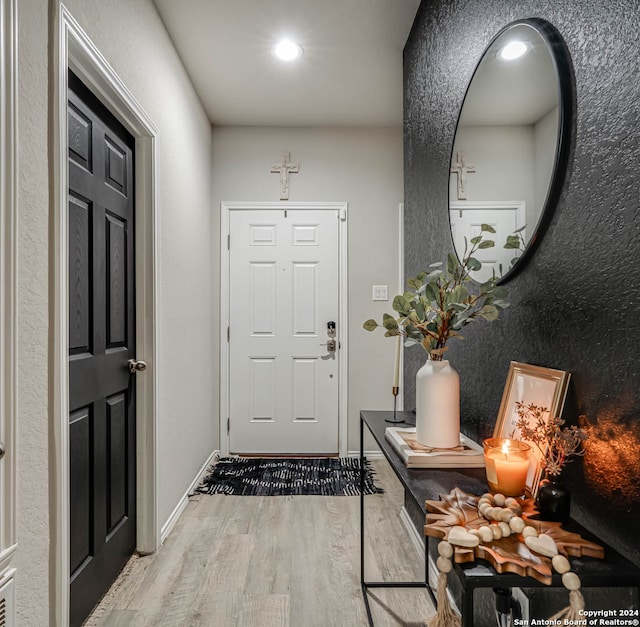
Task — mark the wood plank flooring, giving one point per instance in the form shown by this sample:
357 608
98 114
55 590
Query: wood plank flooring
273 562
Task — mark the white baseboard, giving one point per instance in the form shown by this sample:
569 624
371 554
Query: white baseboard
418 544
367 454
182 503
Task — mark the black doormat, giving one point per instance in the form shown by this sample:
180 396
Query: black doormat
326 476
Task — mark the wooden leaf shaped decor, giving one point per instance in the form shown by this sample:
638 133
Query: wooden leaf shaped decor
506 555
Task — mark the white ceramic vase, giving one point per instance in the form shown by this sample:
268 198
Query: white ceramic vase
438 405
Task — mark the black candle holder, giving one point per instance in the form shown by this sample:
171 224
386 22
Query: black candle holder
395 420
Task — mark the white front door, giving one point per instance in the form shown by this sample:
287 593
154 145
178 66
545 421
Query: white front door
505 217
283 294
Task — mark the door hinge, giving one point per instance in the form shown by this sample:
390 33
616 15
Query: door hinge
228 334
228 242
228 425
285 213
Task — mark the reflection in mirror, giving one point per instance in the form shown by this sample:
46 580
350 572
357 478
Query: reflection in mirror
510 148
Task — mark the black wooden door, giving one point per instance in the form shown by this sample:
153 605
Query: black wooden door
101 339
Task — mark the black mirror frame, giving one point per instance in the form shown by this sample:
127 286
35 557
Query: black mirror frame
566 89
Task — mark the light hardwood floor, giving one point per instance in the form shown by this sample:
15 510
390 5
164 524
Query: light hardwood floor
273 562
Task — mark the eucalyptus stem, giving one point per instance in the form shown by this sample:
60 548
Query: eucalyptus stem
440 302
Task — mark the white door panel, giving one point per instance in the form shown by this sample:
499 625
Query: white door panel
467 217
284 287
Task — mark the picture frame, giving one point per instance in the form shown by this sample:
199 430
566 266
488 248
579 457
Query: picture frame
544 387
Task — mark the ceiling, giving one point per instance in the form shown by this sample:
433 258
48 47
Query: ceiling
518 92
350 73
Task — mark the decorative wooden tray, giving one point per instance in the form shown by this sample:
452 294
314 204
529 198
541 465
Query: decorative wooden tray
510 555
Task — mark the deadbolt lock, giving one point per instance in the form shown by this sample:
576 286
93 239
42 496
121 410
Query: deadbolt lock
331 342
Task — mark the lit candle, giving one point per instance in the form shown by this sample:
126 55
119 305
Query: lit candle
507 465
396 374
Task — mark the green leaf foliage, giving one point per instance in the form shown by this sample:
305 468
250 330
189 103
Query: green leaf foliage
513 241
389 322
459 294
473 264
487 286
461 321
452 263
432 276
489 312
370 325
439 303
402 305
431 292
413 333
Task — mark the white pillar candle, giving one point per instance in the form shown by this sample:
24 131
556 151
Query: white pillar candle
396 374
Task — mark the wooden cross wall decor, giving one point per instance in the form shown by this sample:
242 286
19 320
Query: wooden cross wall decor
284 168
461 168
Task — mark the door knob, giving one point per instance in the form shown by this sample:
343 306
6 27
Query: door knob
331 345
136 366
3 450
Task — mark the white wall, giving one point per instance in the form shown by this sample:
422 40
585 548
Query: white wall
33 533
545 140
504 161
131 36
360 166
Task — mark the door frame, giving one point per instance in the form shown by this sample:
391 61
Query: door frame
74 50
343 299
8 278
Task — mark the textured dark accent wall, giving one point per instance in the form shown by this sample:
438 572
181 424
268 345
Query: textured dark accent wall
576 305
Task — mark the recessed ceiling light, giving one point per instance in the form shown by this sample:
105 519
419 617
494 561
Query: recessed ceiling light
287 50
513 50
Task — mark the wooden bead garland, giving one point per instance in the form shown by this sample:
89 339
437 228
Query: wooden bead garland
445 616
505 514
503 510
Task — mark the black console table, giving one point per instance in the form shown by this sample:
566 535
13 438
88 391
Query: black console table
428 484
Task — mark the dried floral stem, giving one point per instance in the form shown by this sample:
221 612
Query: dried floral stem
555 443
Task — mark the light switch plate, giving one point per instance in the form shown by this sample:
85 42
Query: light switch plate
380 292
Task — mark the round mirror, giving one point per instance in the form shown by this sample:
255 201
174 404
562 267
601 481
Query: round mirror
511 147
